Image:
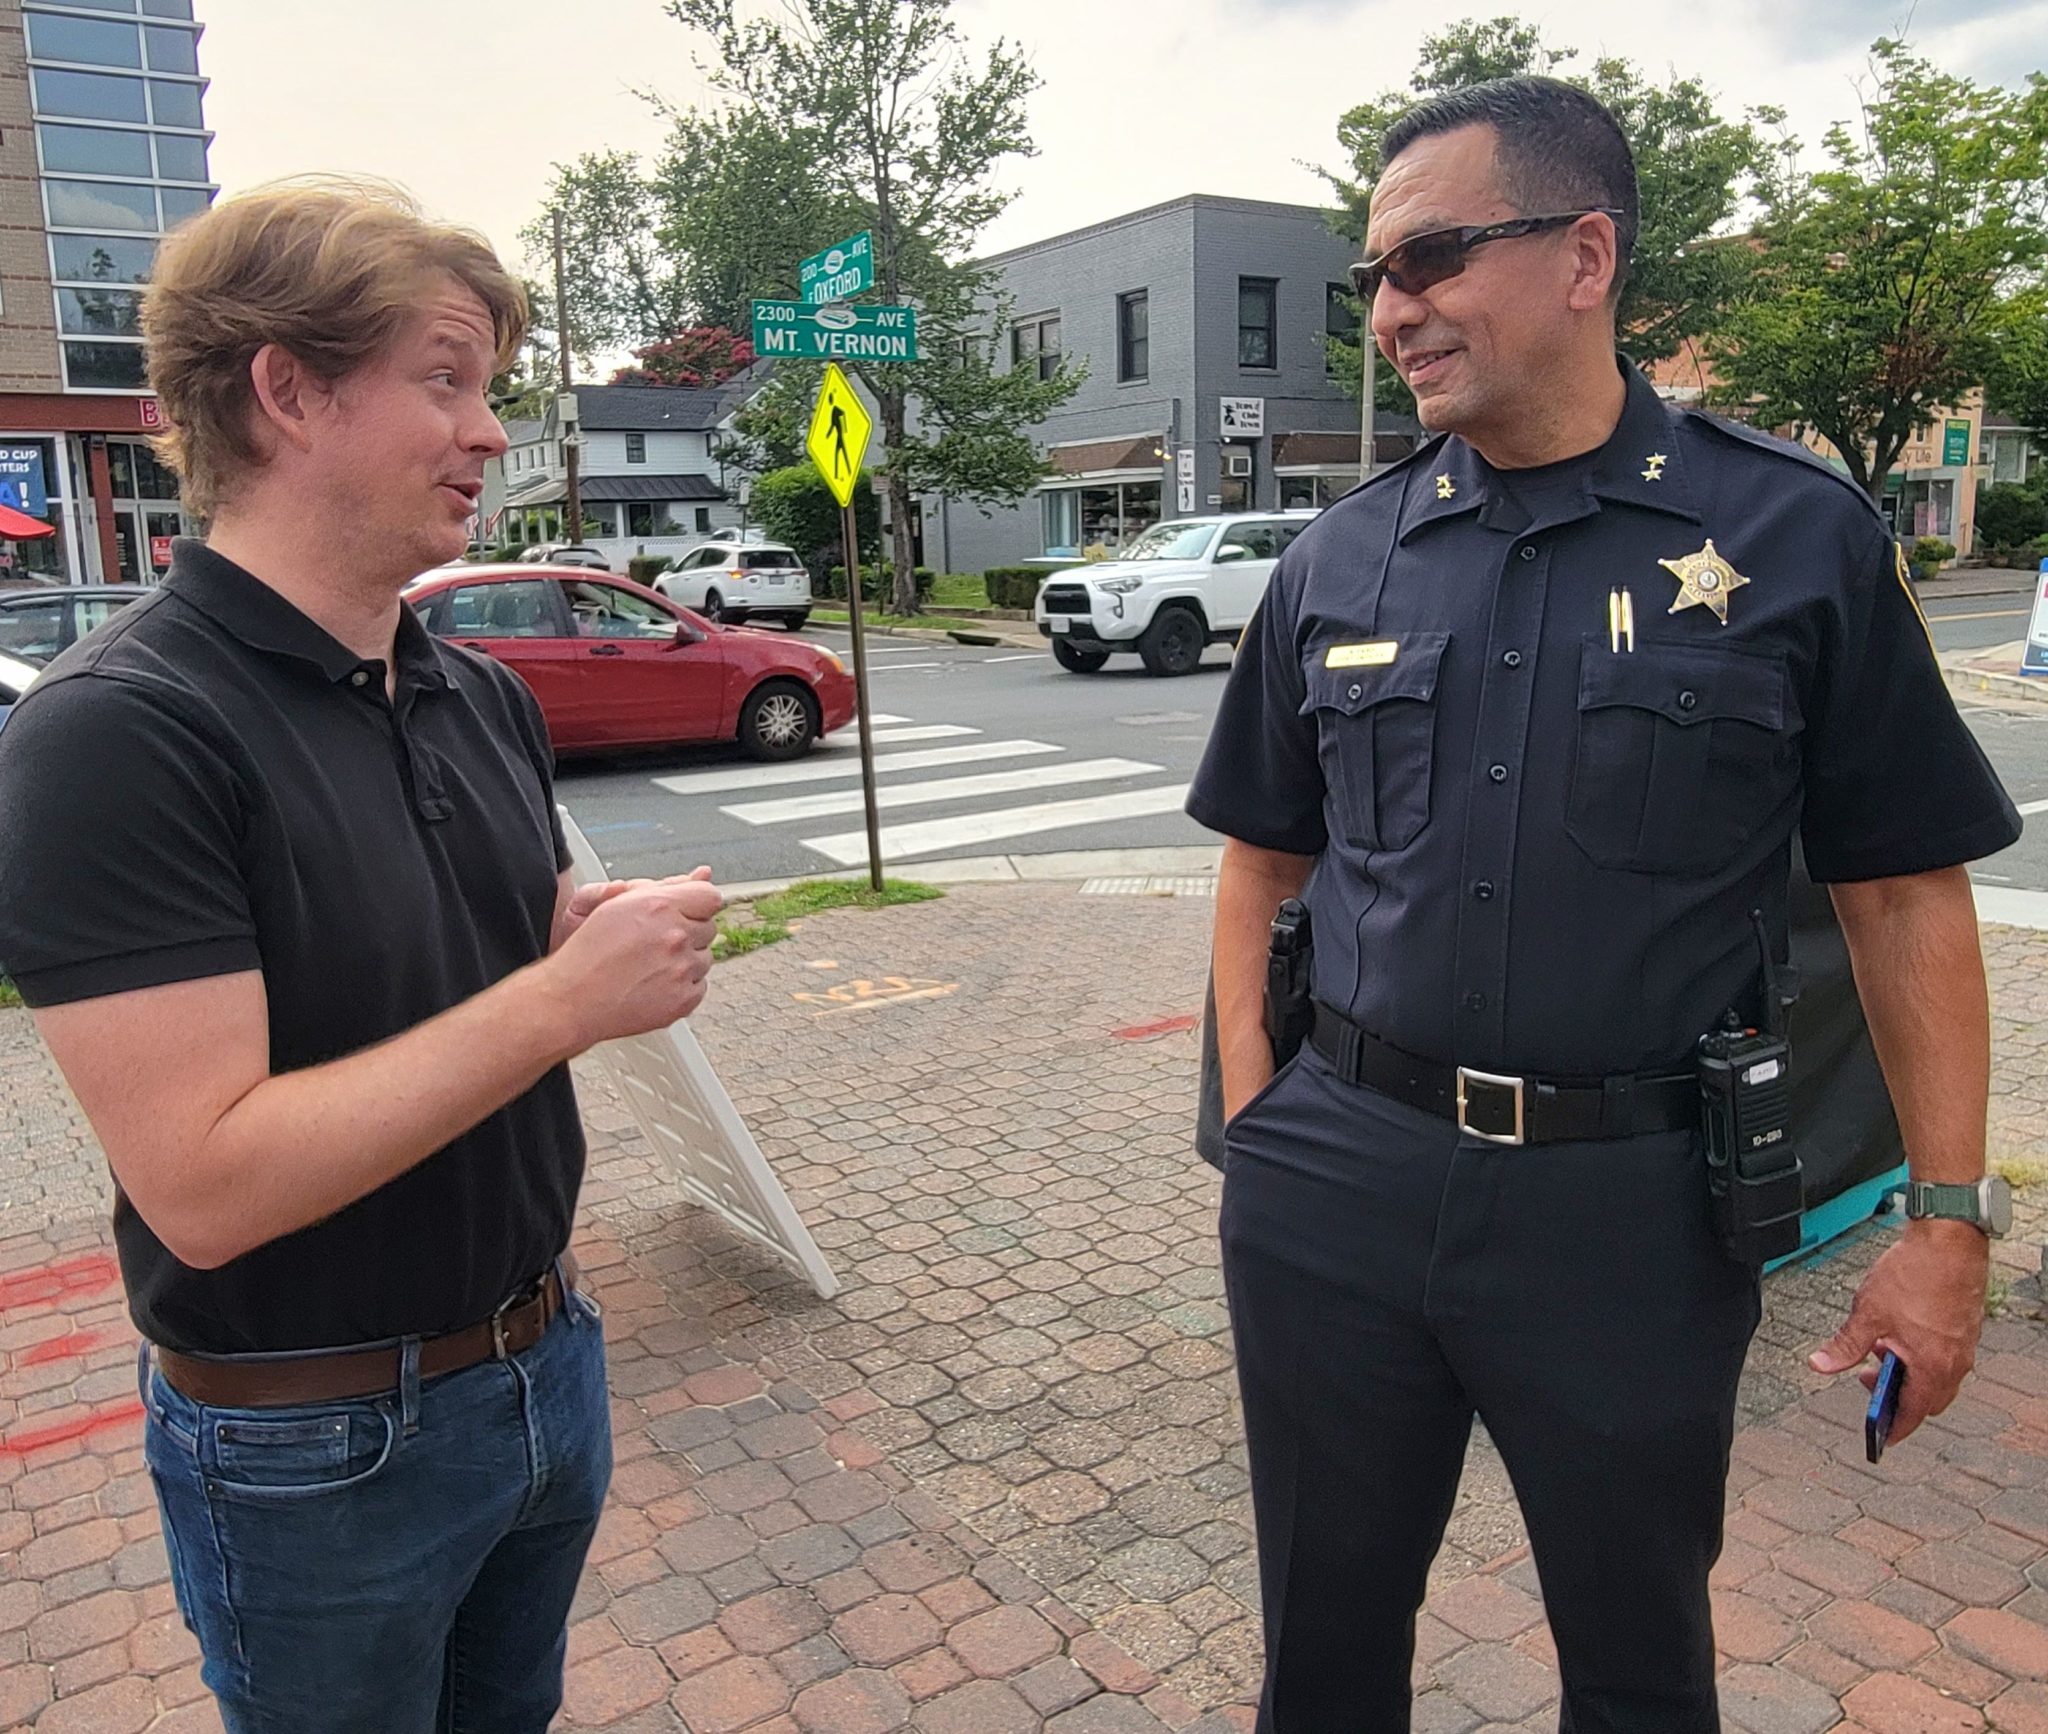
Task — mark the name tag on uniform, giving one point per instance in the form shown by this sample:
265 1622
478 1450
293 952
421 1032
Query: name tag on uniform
1375 655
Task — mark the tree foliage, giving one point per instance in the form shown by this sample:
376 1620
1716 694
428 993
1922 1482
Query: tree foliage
1906 272
795 507
623 284
699 355
1693 167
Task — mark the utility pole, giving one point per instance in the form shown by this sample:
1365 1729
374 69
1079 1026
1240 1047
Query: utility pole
571 438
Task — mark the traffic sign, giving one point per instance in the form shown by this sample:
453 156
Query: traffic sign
840 332
839 271
840 426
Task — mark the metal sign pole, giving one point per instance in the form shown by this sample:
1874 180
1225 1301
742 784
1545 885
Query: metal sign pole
860 688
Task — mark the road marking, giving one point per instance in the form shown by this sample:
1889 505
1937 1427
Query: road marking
933 835
882 720
1021 656
899 667
924 732
2027 807
846 764
1996 614
860 996
939 789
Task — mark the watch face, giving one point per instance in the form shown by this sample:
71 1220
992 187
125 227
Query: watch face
1994 1197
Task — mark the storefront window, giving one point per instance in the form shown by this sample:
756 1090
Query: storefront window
1107 516
1299 493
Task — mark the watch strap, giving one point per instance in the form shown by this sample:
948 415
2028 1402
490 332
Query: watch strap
1953 1200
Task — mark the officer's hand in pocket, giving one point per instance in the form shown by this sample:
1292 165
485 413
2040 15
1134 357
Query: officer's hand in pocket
1924 1301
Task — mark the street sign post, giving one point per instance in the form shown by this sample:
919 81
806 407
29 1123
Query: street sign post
839 271
840 426
839 332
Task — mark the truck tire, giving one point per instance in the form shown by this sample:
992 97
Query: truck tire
1174 642
1078 661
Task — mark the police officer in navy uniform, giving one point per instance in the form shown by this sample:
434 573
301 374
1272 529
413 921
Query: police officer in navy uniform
1530 723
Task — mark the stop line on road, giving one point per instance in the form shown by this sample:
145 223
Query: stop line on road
837 761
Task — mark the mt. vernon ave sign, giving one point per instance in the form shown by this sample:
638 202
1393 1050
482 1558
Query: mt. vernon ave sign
840 332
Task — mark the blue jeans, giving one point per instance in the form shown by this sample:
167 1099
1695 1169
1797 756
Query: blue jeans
345 1575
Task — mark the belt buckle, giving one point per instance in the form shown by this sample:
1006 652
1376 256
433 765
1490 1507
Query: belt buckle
1476 1090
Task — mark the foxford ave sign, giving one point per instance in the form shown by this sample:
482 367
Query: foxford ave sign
839 271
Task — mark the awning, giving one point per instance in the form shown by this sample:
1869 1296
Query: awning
20 527
1139 453
600 490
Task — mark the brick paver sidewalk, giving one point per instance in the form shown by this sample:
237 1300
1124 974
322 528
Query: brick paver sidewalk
998 1483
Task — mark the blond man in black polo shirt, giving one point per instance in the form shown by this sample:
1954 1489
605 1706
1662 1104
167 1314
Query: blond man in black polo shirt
281 879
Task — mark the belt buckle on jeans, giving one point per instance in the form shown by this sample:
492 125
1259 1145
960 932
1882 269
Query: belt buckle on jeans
1498 1103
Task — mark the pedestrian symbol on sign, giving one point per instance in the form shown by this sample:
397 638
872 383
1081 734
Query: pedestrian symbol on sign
840 426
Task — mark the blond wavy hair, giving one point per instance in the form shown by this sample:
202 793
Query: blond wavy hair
328 269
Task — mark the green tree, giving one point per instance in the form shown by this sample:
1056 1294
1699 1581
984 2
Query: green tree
624 286
1693 169
1897 278
901 130
795 507
2017 381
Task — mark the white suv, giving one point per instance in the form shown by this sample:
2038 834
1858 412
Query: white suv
1179 588
734 581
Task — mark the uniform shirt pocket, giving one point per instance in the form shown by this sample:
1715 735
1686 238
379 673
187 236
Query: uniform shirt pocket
1682 750
1376 736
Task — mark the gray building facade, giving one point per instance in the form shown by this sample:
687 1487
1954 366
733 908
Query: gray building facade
1202 323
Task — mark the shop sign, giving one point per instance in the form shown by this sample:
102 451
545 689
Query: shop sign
160 552
1955 444
1243 417
22 483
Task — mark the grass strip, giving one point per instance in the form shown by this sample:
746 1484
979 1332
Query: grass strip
773 914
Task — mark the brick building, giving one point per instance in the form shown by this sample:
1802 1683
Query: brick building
103 148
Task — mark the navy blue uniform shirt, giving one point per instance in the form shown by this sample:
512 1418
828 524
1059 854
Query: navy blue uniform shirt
1537 854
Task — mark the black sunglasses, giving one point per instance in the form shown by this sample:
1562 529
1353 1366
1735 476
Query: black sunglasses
1423 261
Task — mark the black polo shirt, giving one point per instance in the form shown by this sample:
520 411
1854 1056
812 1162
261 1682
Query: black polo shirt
210 784
1537 854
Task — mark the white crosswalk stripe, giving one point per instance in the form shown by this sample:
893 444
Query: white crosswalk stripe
939 789
845 762
924 732
932 836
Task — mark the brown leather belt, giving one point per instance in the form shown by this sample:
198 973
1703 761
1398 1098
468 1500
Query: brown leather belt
259 1382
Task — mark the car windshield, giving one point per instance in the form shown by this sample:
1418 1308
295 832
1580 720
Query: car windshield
1170 542
766 559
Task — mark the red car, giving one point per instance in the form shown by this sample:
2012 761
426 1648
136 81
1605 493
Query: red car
615 665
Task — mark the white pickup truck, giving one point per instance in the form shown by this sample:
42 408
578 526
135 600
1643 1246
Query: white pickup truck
1179 588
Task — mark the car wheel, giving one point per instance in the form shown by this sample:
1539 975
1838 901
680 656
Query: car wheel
714 607
778 721
798 621
1173 642
1078 661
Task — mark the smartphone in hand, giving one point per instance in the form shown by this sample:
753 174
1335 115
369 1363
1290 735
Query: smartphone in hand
1884 1405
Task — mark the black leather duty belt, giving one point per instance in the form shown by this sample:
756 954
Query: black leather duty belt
1503 1109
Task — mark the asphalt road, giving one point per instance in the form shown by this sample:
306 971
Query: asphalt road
999 751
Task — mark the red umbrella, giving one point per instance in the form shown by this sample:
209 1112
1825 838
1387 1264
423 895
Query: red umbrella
20 527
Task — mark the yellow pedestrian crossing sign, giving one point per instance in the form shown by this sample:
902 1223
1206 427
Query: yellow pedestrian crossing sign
840 426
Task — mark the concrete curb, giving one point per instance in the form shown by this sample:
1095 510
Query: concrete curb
1069 864
941 635
1966 674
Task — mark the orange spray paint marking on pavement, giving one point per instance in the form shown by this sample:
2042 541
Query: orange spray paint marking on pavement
71 1276
1159 1027
23 1440
72 1347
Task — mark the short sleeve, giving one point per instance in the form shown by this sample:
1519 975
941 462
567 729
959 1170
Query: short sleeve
120 861
1260 779
1895 781
533 733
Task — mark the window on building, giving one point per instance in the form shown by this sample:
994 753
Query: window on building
1340 320
1035 343
636 448
1111 515
181 157
91 150
1133 335
1256 301
104 367
703 518
89 41
99 312
89 96
100 258
171 50
167 8
175 104
99 205
640 518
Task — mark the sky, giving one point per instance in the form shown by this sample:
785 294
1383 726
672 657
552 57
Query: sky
469 102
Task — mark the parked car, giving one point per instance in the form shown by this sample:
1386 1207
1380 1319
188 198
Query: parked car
16 677
614 665
36 624
1179 588
732 580
565 554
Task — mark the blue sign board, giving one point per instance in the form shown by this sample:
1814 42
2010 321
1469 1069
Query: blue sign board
2036 659
21 480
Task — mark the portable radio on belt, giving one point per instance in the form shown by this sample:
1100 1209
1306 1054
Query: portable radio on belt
1289 956
1753 1172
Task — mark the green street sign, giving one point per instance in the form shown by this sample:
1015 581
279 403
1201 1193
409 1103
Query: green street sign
840 332
1955 443
839 271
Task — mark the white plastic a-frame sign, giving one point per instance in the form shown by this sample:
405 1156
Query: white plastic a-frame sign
687 1116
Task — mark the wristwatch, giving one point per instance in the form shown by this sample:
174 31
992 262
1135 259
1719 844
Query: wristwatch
1985 1204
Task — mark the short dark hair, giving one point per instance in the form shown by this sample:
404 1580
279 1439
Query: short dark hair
1559 149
